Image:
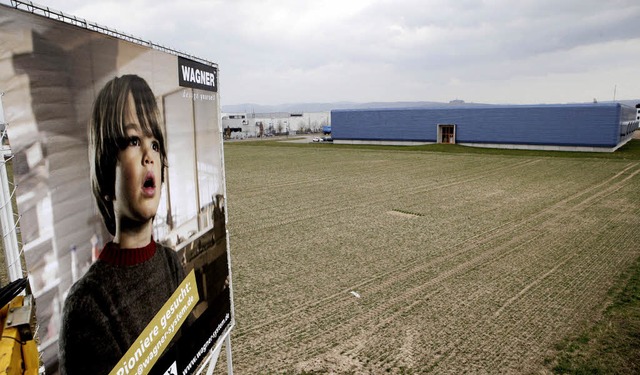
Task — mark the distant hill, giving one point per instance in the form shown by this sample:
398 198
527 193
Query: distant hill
326 107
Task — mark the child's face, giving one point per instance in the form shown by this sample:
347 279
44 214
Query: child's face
138 173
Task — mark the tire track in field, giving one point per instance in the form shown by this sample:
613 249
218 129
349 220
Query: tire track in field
598 263
460 343
594 268
435 284
328 304
589 200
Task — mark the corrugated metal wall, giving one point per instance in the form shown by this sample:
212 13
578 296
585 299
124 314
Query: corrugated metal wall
593 125
628 122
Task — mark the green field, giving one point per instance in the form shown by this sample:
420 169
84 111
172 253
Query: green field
459 260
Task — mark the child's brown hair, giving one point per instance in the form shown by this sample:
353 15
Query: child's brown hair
107 136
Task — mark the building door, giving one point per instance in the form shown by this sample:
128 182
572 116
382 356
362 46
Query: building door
447 134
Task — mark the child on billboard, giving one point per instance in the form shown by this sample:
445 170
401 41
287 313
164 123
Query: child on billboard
134 276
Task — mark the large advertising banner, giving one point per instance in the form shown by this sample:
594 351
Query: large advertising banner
119 169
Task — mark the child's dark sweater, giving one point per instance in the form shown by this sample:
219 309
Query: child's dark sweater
112 303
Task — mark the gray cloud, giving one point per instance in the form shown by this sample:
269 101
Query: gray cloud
491 51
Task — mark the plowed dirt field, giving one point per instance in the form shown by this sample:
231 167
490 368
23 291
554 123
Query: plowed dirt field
367 262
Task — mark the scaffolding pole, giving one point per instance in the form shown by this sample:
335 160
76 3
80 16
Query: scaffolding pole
8 224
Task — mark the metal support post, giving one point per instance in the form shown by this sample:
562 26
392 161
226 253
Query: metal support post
8 225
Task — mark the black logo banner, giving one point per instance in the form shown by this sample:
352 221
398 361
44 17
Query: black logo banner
197 75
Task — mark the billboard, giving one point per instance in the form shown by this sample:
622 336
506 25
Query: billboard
119 169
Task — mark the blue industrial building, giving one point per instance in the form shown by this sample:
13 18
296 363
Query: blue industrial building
576 127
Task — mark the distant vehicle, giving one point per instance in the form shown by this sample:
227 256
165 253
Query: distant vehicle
316 139
327 139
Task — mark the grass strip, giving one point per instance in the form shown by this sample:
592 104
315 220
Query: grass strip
630 151
612 345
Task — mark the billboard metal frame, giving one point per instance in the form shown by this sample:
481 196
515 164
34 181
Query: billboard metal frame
8 222
47 12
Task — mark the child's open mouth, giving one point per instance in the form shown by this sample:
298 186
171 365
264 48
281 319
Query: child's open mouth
149 185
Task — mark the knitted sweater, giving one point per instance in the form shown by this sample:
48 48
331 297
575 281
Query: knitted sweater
111 305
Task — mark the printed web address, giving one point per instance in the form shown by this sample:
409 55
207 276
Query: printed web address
204 347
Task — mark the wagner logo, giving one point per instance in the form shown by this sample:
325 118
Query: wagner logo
173 370
196 75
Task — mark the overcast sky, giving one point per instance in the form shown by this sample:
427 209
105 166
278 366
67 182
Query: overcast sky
494 51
